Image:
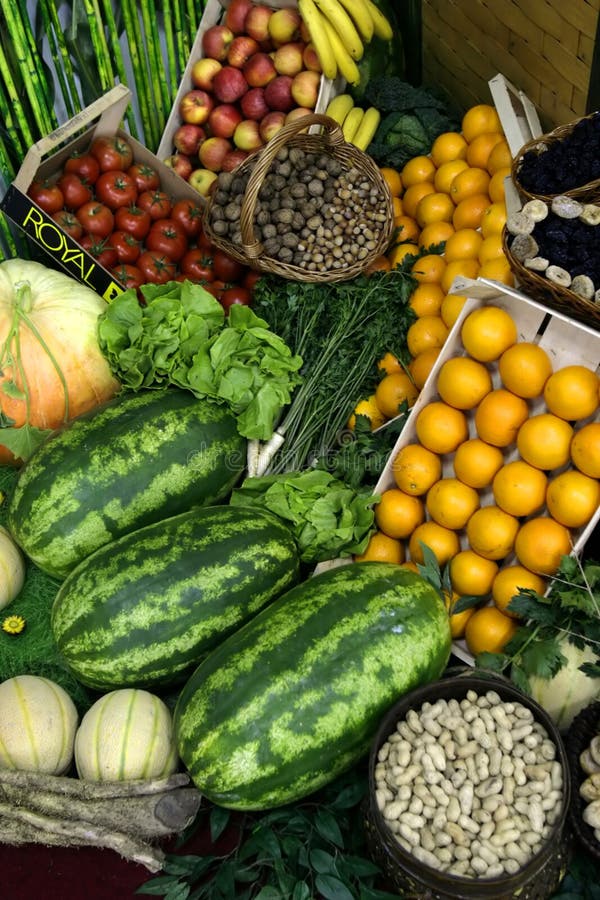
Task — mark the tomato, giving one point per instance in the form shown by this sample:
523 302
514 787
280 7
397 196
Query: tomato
157 203
250 279
235 295
197 265
216 288
75 191
100 249
226 268
145 177
112 153
166 236
156 267
83 164
204 241
134 221
128 276
189 215
68 222
96 218
127 247
116 189
47 195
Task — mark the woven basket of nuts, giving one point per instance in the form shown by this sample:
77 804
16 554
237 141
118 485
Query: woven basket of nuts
583 752
468 792
307 206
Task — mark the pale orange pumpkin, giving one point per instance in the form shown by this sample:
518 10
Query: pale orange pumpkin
51 367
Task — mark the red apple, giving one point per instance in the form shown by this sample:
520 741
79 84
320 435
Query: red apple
188 138
202 181
203 72
278 93
288 60
196 106
180 163
224 119
270 125
284 25
254 105
212 153
305 88
233 159
216 41
235 15
241 49
229 85
257 22
259 70
310 58
247 136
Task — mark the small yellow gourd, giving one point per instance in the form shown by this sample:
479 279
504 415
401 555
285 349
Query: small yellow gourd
12 569
38 721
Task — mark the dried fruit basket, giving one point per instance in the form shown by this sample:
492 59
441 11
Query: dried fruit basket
584 727
370 206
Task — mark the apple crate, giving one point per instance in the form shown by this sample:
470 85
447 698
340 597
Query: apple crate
45 160
566 341
214 12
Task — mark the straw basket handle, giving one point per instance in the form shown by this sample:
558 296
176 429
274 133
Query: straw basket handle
253 248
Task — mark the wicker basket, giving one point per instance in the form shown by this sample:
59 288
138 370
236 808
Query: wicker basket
586 193
329 140
584 727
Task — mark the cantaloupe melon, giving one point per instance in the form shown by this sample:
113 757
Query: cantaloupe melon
12 569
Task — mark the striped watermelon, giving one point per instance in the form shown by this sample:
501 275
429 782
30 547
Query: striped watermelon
140 458
145 609
295 697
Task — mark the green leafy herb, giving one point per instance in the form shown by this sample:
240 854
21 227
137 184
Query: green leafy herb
361 454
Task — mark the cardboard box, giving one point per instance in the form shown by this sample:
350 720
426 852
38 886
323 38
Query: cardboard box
45 160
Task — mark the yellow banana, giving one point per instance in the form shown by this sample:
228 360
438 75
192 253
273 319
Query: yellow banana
314 22
361 17
339 107
352 123
343 25
347 68
367 128
381 26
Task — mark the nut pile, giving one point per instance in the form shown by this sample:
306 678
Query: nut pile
589 761
310 212
470 787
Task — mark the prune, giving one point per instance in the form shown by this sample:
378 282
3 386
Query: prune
567 163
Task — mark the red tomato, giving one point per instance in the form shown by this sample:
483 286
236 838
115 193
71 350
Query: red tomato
101 250
116 189
156 267
68 222
128 249
83 164
75 191
134 221
157 203
189 215
216 288
166 236
47 195
145 177
250 279
112 153
96 218
204 241
226 268
235 295
128 276
197 265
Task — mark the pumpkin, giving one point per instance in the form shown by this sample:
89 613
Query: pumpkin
38 721
12 569
570 690
51 366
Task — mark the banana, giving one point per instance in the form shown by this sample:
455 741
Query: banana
347 68
314 22
381 26
361 17
343 25
367 128
352 123
339 107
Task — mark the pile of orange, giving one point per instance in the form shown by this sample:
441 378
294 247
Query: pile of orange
493 483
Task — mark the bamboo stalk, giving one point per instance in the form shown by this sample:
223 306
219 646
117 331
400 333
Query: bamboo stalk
118 59
36 61
22 131
191 17
173 57
181 36
6 107
155 62
34 88
61 57
131 22
6 240
101 50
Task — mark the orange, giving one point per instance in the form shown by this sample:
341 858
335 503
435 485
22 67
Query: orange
380 264
470 211
463 244
519 489
499 417
416 469
463 382
429 269
448 146
490 248
435 234
458 620
585 449
451 308
572 392
446 172
541 543
393 390
524 369
398 254
390 363
442 542
398 514
480 148
382 548
419 168
426 299
471 574
507 583
476 462
408 230
573 498
370 409
441 428
500 158
479 119
544 441
393 180
496 187
422 364
397 206
426 332
411 566
414 194
494 219
497 270
451 503
469 182
489 631
487 332
491 532
436 207
459 268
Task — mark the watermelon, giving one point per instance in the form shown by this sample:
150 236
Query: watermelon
140 458
294 698
145 609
